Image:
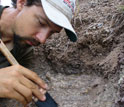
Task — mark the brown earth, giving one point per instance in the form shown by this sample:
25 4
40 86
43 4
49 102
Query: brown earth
85 73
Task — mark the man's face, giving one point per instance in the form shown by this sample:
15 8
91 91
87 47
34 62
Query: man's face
33 26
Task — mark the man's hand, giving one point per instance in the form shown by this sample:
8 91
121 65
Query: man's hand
21 84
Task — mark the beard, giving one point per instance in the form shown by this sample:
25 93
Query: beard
25 41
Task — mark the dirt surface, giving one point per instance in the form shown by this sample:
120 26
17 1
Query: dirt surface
85 73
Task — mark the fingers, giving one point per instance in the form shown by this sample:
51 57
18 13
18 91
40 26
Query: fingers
39 93
24 91
42 91
27 78
19 97
32 76
21 84
27 83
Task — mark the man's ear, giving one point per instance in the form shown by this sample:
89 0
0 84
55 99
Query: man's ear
20 4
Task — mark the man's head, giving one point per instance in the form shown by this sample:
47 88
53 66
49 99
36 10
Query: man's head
41 18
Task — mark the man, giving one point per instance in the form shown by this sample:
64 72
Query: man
29 23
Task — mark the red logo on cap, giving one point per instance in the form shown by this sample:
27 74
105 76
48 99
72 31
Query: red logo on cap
70 4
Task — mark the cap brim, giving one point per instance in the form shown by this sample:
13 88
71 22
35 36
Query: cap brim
59 19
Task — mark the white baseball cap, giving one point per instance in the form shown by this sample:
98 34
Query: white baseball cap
61 12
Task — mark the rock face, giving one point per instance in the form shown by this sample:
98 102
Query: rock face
86 73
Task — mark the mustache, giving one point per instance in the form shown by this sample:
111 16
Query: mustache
19 39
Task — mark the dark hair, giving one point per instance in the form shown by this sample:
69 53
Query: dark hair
28 2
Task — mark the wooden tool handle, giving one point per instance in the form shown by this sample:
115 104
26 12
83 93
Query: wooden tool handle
7 53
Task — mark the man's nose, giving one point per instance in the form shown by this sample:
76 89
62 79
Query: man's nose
43 35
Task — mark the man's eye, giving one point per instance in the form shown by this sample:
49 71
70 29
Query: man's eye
41 24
